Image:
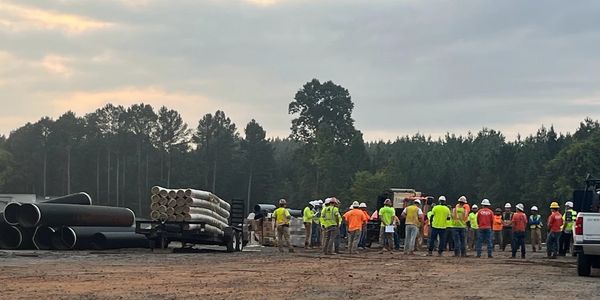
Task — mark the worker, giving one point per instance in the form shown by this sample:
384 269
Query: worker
497 227
472 227
386 230
449 240
307 217
363 233
485 221
341 233
566 236
439 217
413 216
519 223
331 221
316 226
322 221
282 218
555 223
535 228
459 227
507 226
355 219
429 215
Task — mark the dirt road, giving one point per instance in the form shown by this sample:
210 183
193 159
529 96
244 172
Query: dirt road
263 273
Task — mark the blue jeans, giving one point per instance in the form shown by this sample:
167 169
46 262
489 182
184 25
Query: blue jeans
552 243
316 234
435 234
518 240
362 241
459 241
484 235
396 239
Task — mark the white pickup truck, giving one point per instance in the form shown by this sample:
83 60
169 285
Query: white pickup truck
587 242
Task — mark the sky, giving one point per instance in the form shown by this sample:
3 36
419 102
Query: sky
410 66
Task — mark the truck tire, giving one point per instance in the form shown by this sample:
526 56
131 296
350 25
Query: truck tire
584 265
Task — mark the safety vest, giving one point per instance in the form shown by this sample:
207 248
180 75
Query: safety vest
412 215
459 217
308 215
473 220
569 219
535 222
497 223
329 216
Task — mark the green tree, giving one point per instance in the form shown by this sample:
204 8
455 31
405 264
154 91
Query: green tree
258 163
171 132
367 186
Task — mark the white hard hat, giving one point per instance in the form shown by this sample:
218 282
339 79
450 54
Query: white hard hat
462 199
363 205
520 207
328 200
569 204
319 202
418 201
485 202
355 204
507 205
442 198
534 208
282 202
475 206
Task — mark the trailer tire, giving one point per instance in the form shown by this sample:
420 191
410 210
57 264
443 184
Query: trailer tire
239 245
584 265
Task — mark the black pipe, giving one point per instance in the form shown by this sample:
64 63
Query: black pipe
119 240
78 198
296 213
80 237
42 237
10 213
42 214
264 208
14 237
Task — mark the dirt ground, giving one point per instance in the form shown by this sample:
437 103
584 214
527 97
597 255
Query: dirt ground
263 273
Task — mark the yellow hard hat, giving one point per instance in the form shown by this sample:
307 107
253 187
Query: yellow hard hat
554 205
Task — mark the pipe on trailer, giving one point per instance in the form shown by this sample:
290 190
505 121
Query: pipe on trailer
77 198
32 215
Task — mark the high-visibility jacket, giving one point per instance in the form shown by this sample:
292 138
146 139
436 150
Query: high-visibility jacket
459 217
473 220
282 216
441 215
386 215
497 223
507 218
331 216
412 215
307 215
569 220
555 222
535 222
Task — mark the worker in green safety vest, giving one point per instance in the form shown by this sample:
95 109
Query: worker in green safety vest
566 236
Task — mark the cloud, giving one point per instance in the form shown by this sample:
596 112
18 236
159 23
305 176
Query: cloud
263 2
57 65
23 18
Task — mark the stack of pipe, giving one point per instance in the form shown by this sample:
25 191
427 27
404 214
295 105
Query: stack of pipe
63 223
189 205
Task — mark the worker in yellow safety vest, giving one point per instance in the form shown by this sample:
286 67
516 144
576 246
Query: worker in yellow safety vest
535 229
307 217
331 222
566 236
472 233
282 218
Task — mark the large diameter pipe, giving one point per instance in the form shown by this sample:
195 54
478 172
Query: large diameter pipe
193 202
264 208
296 213
207 196
11 211
42 237
207 228
119 240
78 198
208 212
80 237
32 215
205 219
15 237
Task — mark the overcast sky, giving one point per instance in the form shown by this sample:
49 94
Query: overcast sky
411 66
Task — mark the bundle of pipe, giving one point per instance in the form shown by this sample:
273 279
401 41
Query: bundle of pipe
15 236
189 205
82 237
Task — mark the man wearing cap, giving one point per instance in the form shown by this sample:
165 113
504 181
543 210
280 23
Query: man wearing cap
282 218
519 223
307 217
413 219
386 217
535 227
507 226
316 226
485 221
566 235
440 215
355 219
472 225
331 222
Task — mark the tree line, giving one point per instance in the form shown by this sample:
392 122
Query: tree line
117 153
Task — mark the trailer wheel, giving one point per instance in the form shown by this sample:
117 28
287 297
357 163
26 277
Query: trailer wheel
239 245
584 265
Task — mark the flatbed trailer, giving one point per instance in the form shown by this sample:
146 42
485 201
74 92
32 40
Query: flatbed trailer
160 234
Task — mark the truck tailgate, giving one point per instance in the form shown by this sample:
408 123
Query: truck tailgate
591 228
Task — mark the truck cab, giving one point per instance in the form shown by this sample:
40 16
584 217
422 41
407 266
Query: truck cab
587 227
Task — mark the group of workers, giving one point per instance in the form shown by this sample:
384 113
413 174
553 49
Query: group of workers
459 228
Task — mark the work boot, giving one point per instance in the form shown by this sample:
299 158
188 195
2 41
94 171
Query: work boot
513 257
490 256
429 253
478 256
291 250
522 256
